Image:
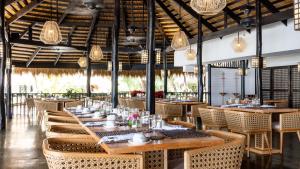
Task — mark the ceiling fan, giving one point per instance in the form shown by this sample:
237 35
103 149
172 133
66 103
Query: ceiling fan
248 22
85 7
132 39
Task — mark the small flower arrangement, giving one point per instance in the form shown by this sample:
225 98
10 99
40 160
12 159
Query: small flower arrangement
133 120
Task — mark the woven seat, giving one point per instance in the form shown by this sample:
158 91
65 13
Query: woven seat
60 131
73 104
250 124
228 155
212 118
62 153
288 123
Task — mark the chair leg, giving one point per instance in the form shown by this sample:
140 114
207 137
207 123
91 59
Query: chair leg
281 142
248 145
298 134
267 142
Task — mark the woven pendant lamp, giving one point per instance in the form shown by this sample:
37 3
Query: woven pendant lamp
96 53
180 40
51 33
208 7
82 62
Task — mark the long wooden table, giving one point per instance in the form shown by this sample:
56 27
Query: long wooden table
165 144
259 148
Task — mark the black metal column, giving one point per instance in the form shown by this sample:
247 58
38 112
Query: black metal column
199 60
8 77
115 58
88 74
243 68
165 68
209 84
150 98
2 65
259 50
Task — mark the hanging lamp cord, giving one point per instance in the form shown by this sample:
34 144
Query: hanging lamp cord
57 11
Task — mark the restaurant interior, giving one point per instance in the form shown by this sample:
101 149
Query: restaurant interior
149 84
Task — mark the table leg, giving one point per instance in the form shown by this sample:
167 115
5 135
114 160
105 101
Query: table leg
165 159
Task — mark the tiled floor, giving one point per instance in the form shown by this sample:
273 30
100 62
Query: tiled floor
20 148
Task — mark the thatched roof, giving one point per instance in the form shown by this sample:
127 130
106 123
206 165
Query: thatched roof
22 14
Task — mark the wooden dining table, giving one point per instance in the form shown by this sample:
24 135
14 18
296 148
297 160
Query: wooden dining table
274 112
155 145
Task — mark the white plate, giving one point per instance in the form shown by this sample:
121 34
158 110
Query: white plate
138 144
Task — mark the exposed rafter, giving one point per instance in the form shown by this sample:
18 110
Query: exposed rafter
65 14
169 13
69 40
93 28
23 11
57 58
195 15
124 17
37 50
232 15
271 8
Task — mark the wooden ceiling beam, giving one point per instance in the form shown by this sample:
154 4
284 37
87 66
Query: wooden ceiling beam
195 15
23 11
93 28
33 56
169 13
65 14
276 17
272 8
57 58
232 15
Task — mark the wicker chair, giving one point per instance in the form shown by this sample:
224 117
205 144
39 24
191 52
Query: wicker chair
138 104
168 111
69 131
228 155
62 153
288 123
212 118
122 102
250 124
51 120
73 104
30 103
58 113
42 106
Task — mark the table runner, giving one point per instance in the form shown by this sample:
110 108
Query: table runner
190 133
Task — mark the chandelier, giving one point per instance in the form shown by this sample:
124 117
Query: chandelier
82 62
208 7
96 53
50 33
190 54
144 56
238 44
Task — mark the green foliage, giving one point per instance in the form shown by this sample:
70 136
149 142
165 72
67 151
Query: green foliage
71 92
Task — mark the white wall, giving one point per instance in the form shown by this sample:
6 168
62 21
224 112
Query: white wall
278 40
232 84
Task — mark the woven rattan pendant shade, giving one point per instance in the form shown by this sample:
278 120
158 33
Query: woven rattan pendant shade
82 62
179 41
50 33
208 7
96 53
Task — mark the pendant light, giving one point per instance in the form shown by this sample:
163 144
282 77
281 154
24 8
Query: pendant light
208 7
50 33
255 62
82 62
158 55
96 53
297 15
180 40
238 44
190 54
